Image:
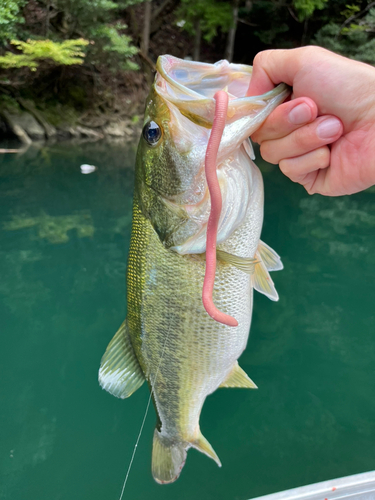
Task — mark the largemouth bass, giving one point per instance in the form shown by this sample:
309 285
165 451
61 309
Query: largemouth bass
168 339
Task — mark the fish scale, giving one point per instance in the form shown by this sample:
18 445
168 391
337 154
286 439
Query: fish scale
168 339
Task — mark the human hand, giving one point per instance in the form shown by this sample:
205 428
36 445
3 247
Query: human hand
324 137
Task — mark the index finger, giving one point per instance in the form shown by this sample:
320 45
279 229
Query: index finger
272 67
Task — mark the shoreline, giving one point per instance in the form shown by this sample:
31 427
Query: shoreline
20 130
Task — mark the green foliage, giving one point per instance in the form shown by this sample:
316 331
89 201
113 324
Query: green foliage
58 114
114 47
305 8
94 19
89 19
86 16
33 51
350 10
10 103
268 36
355 40
211 14
10 17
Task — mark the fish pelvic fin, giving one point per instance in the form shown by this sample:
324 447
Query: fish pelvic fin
120 373
261 280
238 378
201 444
168 458
269 257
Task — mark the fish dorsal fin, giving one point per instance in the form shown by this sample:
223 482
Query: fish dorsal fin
201 444
120 373
245 264
238 378
269 257
262 281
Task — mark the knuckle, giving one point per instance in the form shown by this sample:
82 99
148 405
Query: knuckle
261 57
304 139
309 182
323 156
267 152
257 61
286 169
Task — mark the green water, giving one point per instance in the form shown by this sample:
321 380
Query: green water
63 245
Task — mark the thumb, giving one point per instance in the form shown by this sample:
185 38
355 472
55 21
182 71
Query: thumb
272 67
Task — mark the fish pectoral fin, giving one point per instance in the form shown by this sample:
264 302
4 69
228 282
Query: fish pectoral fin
120 373
269 257
168 459
238 378
262 282
201 444
247 144
245 264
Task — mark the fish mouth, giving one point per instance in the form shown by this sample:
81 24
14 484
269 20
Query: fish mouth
191 87
188 88
213 96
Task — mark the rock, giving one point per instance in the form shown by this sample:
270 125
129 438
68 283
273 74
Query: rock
49 129
89 133
28 123
14 126
117 129
67 132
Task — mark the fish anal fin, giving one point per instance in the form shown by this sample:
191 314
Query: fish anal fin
120 373
245 264
262 282
269 257
201 444
238 378
168 459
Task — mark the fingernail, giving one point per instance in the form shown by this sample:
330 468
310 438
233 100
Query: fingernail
328 128
300 114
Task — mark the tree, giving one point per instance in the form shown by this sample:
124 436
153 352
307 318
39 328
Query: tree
354 35
10 18
232 32
204 18
146 28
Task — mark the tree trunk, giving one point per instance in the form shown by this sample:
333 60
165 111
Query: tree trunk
197 40
232 33
47 17
146 29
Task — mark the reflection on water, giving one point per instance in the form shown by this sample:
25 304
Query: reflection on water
63 247
54 229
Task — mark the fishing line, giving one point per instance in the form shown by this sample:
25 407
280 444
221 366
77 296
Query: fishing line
144 417
221 106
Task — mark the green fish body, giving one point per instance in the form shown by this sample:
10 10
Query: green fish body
168 338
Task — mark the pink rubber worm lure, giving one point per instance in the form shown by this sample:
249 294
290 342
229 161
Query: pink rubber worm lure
217 130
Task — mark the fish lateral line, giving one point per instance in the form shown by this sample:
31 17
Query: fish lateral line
221 107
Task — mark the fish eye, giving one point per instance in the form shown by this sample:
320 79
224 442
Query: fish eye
152 133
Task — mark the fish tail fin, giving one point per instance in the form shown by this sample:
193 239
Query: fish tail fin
168 458
201 444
